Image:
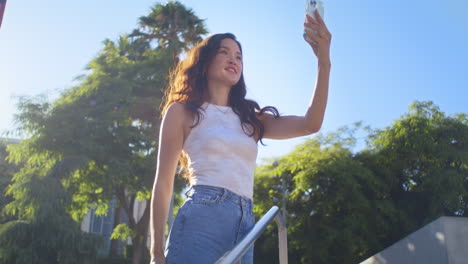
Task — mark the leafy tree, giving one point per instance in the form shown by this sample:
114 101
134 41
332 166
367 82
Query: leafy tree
103 132
424 158
343 207
331 195
91 124
43 231
7 171
172 26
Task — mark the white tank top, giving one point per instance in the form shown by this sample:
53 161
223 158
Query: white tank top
220 153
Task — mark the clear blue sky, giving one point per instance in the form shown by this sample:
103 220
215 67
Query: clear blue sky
384 54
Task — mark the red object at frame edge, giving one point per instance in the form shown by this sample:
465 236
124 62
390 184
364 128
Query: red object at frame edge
2 10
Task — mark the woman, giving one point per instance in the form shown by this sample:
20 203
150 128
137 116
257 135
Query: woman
210 126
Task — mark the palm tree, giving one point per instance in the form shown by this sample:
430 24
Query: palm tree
172 29
171 26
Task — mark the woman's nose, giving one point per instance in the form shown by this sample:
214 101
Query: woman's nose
232 58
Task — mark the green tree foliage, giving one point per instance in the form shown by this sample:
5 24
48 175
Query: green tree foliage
172 26
343 207
99 139
424 157
42 231
331 195
7 171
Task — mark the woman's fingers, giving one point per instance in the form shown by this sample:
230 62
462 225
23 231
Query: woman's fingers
317 34
311 19
312 35
320 21
318 17
312 26
321 28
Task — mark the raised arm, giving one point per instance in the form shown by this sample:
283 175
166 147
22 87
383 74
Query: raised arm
170 146
285 127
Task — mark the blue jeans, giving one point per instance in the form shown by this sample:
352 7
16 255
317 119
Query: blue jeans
210 222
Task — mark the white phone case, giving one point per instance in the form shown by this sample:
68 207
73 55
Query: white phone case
311 6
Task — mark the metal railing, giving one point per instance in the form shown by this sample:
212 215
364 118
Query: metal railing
240 249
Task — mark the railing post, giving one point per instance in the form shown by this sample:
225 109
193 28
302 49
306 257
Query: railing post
282 238
234 255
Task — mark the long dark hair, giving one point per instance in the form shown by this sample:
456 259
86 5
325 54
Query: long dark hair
187 84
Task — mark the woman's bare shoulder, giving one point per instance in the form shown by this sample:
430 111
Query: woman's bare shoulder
178 112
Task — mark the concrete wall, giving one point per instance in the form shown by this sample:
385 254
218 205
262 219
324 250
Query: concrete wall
444 241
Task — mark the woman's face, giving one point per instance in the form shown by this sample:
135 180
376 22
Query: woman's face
226 66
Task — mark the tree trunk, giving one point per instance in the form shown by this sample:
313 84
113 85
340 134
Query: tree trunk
114 246
139 242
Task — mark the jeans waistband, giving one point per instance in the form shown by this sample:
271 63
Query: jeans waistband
223 192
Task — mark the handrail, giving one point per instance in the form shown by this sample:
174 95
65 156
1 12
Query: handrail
241 248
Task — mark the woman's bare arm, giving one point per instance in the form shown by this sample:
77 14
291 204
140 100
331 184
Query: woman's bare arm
290 126
285 127
171 139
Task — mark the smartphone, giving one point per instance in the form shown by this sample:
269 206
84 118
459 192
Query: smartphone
311 6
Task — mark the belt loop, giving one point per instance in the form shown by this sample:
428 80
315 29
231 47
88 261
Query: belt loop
225 194
186 193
